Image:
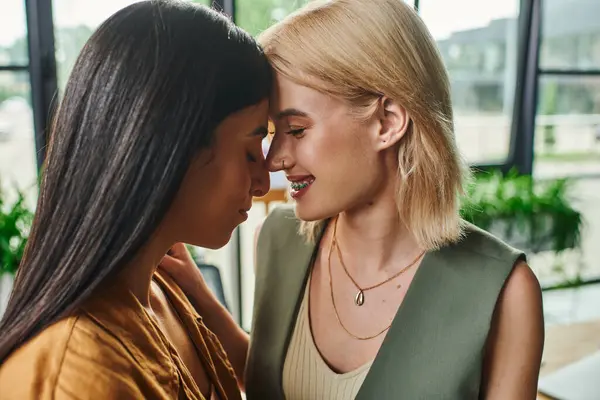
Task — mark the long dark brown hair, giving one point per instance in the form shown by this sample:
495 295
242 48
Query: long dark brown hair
144 97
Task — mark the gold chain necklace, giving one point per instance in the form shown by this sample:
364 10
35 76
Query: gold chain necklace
337 315
359 299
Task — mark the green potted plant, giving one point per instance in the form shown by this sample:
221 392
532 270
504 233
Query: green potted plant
531 215
15 222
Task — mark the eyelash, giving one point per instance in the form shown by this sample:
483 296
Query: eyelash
256 154
296 132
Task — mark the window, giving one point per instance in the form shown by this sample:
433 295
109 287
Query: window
478 43
74 23
17 141
13 34
567 139
567 132
257 15
573 42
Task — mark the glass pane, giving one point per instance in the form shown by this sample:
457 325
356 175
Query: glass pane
74 23
573 42
257 15
567 137
567 144
17 142
13 33
478 41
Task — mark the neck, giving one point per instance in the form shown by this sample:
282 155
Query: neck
375 238
137 275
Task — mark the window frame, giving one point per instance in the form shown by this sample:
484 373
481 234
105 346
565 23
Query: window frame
42 70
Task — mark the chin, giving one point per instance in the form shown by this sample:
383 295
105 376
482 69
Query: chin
215 241
310 213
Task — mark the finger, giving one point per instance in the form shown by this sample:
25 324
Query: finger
179 250
170 262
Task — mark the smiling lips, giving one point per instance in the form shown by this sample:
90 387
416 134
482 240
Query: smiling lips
299 185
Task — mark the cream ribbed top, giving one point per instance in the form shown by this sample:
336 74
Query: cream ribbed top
306 376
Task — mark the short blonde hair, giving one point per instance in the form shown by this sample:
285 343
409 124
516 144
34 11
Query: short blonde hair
358 51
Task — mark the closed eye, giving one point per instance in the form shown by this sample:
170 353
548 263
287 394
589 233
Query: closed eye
256 154
296 132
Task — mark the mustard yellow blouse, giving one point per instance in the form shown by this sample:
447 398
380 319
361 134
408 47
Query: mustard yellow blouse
112 349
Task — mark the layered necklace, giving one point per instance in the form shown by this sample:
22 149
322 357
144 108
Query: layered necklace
359 298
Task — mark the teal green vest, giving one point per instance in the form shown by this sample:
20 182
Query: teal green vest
435 346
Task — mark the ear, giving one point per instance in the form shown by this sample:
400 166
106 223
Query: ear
394 122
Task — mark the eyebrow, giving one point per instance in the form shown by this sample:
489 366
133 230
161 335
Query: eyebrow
261 132
290 112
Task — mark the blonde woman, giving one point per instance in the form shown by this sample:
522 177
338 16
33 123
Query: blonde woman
372 287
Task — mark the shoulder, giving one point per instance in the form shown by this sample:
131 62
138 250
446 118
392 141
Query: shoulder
280 247
520 301
486 258
36 364
72 356
280 228
281 220
521 297
516 339
485 245
499 267
478 264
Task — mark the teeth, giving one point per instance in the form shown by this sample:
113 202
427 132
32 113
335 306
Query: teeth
301 184
298 186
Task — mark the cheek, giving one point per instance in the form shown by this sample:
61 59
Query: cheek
335 152
317 151
217 191
232 181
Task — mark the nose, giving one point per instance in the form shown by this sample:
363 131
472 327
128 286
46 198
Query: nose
275 164
279 157
261 181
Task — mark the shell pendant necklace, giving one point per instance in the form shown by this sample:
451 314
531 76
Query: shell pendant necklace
359 298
